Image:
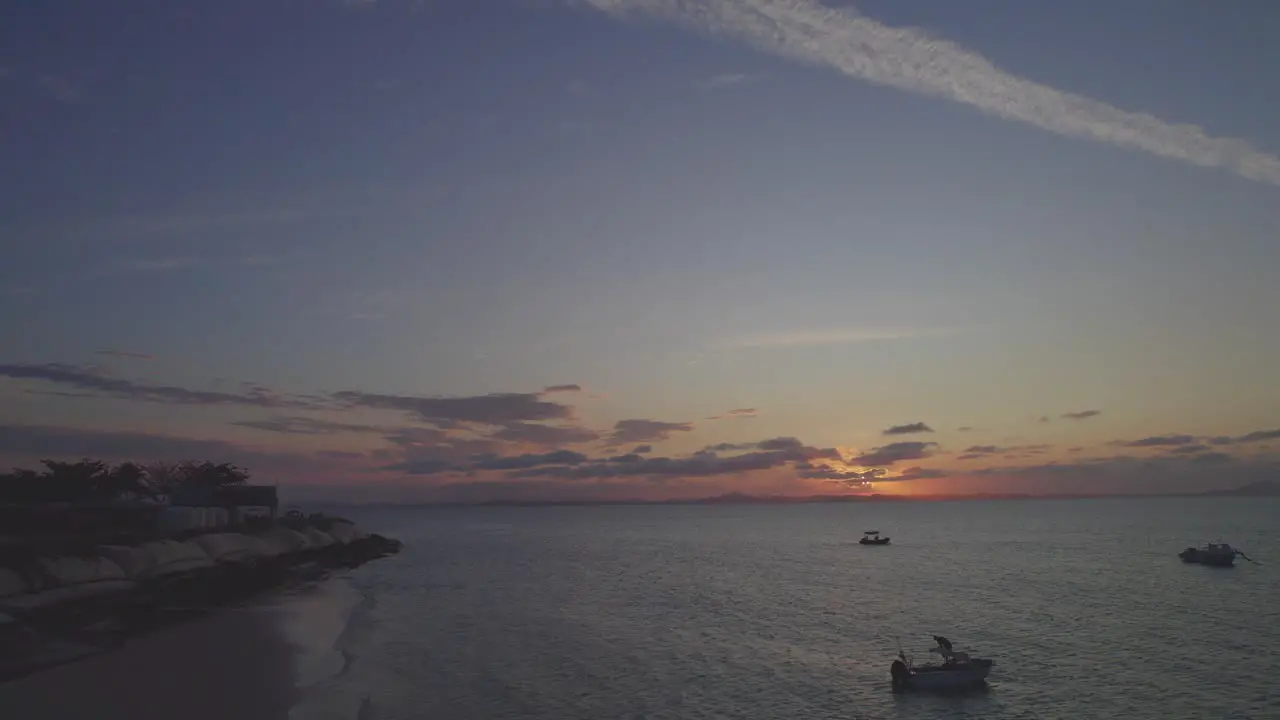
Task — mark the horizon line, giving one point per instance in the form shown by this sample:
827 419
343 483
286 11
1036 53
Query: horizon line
1267 489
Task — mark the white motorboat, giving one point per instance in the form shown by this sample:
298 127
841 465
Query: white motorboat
1215 554
957 671
873 537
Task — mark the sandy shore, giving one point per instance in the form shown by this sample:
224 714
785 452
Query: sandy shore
231 665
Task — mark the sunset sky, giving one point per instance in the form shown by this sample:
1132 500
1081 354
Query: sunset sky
477 249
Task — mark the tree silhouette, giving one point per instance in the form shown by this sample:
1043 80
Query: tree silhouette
95 481
125 479
81 480
23 486
209 475
163 476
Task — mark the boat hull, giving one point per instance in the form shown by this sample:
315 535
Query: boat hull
936 678
881 541
1196 556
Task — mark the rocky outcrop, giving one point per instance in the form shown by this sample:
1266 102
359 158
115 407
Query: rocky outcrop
206 570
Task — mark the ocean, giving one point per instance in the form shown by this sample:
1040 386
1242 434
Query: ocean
774 612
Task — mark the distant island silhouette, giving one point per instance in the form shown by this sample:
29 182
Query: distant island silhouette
1263 488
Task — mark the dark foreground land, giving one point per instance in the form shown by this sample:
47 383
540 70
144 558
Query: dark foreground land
229 664
169 601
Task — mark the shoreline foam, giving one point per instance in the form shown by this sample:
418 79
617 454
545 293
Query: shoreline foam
338 606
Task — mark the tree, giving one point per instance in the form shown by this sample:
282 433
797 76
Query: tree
125 479
163 476
96 481
67 481
22 486
209 475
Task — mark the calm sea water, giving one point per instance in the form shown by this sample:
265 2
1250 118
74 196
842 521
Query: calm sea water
775 612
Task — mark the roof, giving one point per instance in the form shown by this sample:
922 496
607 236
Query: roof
243 495
255 495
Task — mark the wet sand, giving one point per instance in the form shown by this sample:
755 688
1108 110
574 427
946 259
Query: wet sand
231 665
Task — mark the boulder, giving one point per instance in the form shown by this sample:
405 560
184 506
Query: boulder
12 583
231 547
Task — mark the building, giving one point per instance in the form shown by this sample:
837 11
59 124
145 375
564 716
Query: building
242 500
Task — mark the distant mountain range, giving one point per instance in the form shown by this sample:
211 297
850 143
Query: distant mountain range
1262 488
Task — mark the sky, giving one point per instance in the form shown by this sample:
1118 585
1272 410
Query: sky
599 249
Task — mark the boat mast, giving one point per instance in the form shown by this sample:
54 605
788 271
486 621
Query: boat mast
901 654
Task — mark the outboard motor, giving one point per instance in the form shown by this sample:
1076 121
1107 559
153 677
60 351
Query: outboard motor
900 674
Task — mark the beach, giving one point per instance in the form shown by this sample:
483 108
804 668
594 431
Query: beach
229 665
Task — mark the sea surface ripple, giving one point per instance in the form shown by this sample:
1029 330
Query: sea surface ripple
775 612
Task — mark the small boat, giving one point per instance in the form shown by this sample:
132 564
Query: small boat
957 671
1215 554
872 537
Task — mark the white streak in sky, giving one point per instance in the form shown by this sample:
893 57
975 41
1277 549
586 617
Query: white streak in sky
836 336
910 59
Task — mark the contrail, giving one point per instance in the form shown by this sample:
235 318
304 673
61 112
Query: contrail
838 336
912 60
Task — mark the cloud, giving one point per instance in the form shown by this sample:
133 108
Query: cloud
1259 436
488 461
745 413
429 451
26 444
845 477
965 428
148 265
296 425
125 354
909 429
561 388
726 80
1183 440
887 455
838 336
778 443
1187 469
492 409
340 454
1210 458
975 452
1082 415
440 453
529 460
53 441
626 432
642 450
781 443
1160 441
775 453
538 434
919 473
163 264
94 383
915 61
